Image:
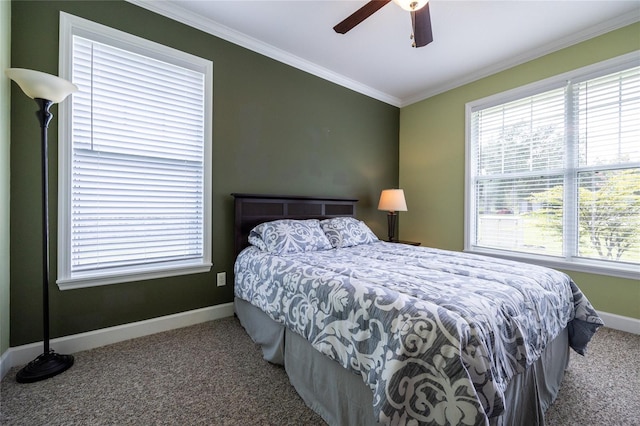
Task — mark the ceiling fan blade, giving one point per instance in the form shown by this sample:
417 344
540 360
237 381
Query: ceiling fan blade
421 22
359 15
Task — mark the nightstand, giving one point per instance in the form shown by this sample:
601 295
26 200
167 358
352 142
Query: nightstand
411 243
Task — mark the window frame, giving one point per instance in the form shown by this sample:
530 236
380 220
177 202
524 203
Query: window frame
71 25
570 260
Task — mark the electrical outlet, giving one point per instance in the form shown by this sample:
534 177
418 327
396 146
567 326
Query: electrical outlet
222 279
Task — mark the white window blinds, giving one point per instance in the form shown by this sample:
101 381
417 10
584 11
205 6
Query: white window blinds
137 174
519 152
607 116
137 188
557 173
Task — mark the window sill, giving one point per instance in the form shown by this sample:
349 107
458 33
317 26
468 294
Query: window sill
587 266
94 280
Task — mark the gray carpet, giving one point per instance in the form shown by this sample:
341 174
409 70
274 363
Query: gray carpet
213 374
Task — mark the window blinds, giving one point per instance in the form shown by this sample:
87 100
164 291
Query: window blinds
137 160
558 173
607 116
519 151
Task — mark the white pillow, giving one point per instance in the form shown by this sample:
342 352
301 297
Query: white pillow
289 236
347 232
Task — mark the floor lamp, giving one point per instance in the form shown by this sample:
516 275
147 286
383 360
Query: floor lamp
393 201
45 89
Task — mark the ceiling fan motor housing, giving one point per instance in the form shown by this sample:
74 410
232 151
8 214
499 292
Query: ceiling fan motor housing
411 5
420 18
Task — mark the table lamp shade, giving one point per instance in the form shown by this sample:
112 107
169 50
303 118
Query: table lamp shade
392 200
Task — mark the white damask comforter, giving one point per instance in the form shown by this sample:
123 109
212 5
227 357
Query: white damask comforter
435 334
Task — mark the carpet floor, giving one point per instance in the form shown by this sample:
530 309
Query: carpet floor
213 374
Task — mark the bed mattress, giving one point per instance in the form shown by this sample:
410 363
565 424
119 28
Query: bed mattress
436 335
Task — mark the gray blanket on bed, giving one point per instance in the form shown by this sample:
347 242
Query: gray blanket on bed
435 334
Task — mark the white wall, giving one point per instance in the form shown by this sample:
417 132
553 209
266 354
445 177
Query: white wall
5 98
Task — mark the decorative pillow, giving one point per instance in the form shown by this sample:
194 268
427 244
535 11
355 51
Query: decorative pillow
289 236
256 240
347 232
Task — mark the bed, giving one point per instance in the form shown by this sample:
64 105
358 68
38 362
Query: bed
371 332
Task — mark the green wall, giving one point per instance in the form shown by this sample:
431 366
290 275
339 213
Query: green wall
5 62
276 129
432 144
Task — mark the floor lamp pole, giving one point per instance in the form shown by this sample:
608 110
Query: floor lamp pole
44 117
49 363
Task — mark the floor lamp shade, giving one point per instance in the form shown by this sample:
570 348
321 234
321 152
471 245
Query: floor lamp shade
45 89
40 85
392 200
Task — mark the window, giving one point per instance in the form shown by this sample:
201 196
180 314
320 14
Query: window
134 159
553 170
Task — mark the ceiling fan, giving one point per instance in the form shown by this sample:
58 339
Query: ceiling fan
420 18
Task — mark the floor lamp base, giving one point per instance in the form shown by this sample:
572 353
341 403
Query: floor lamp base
45 366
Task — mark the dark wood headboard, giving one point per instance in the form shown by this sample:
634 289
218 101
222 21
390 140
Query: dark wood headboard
254 209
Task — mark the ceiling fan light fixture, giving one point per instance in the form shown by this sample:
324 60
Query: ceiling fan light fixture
411 5
418 9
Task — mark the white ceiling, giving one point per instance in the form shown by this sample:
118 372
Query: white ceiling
472 39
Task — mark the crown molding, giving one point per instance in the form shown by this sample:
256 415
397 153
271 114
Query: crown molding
216 29
175 12
596 30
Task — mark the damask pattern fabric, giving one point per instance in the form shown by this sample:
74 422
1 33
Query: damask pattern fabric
435 334
289 236
347 232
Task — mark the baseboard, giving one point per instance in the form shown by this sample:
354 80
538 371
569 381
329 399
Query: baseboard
4 363
618 322
20 355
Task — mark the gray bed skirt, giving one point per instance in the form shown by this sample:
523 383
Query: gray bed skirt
341 398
